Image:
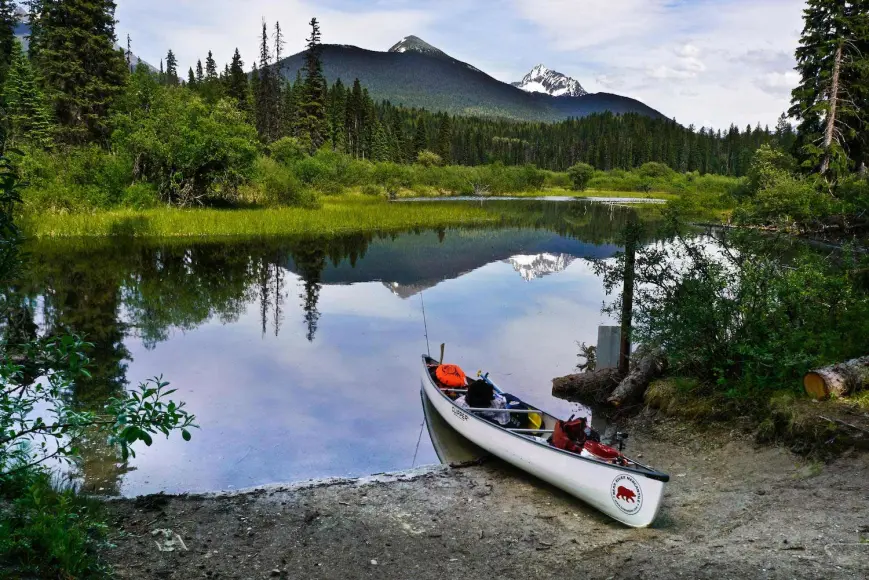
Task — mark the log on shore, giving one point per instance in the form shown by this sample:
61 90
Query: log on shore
649 366
592 387
840 379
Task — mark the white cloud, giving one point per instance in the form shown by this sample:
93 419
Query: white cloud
736 56
192 28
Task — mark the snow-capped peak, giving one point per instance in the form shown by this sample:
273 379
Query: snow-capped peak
544 80
536 266
415 44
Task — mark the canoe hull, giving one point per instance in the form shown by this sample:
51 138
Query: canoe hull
626 495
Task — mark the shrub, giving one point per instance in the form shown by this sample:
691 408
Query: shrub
580 175
280 186
186 148
372 189
141 196
428 158
288 150
655 170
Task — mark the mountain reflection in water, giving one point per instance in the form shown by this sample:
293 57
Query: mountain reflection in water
299 356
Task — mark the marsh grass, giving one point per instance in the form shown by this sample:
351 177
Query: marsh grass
343 214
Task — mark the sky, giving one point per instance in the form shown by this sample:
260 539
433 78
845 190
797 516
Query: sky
708 63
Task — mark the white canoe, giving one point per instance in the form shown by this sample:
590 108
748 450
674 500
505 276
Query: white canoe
630 494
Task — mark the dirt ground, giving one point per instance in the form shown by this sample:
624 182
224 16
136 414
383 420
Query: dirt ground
731 510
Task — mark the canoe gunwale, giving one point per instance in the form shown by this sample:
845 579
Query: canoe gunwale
645 471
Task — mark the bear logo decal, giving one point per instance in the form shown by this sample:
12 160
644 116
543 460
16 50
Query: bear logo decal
626 494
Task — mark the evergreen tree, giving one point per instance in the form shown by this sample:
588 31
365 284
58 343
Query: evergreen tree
191 79
72 46
129 54
420 139
237 87
267 96
200 76
27 115
312 109
834 69
171 69
210 68
8 21
444 143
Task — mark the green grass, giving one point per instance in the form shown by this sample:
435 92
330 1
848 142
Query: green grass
344 214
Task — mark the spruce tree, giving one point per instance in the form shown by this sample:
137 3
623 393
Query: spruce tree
28 118
237 87
444 142
191 79
200 76
171 69
210 67
8 21
420 138
128 55
267 94
313 106
72 46
834 69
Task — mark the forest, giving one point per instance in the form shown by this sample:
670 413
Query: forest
124 136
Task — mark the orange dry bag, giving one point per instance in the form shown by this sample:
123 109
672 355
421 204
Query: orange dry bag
451 376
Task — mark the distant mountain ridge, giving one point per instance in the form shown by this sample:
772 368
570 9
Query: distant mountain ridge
413 73
550 82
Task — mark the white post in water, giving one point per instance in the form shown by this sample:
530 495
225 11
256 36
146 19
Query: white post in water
608 346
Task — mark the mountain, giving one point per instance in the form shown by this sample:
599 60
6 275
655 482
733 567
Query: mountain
550 82
414 73
531 267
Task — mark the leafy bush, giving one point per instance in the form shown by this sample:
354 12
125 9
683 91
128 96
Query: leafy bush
428 158
186 148
288 150
280 186
655 170
580 175
373 190
744 315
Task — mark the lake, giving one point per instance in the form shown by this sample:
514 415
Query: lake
300 357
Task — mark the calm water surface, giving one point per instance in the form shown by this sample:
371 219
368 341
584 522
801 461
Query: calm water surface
300 357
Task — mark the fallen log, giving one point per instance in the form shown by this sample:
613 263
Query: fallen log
592 387
840 379
649 366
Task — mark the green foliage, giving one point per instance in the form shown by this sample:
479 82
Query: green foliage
280 186
743 315
428 158
189 150
80 70
28 120
49 533
580 175
288 150
833 134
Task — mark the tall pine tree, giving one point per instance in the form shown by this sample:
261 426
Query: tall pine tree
72 45
267 94
312 109
237 87
8 21
27 116
171 69
834 67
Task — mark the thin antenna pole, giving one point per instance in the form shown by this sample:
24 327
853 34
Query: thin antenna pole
425 324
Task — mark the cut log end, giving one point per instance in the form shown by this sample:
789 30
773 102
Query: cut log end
815 386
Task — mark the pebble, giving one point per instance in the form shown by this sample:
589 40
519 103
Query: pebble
374 562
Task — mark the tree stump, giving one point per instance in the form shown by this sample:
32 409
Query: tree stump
840 379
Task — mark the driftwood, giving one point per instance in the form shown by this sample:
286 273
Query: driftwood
592 387
649 366
840 379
